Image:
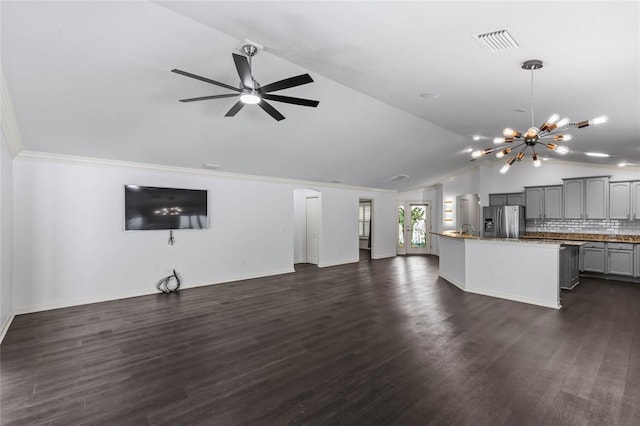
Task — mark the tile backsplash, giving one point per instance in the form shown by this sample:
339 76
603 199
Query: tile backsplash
610 226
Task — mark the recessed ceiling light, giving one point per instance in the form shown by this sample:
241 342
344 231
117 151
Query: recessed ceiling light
622 164
520 110
429 95
477 137
597 154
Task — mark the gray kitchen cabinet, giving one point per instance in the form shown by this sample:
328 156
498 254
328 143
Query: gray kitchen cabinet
507 199
515 199
586 198
534 207
569 262
574 199
497 199
637 260
635 200
619 200
553 202
592 258
596 197
620 259
543 202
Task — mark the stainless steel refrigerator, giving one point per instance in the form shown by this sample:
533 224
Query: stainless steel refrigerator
503 221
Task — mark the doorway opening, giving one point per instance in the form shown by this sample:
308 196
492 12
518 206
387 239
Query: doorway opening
307 222
311 224
365 228
414 227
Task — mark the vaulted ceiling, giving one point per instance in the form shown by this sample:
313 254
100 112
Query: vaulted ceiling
93 79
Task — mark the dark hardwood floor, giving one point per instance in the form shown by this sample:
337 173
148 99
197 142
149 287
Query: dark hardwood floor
379 342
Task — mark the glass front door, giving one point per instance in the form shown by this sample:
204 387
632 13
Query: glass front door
414 221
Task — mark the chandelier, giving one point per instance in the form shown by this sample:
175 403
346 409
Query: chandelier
547 135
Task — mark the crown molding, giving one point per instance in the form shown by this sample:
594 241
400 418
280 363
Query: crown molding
9 122
75 159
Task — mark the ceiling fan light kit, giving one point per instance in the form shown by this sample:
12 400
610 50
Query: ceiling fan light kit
249 91
551 129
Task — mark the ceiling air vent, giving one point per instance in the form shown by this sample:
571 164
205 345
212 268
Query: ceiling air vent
497 41
396 178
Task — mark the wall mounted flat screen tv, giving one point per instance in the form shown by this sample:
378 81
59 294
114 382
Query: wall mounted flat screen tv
151 208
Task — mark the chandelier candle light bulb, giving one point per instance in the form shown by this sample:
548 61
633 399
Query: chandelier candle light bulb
536 160
509 132
505 168
502 153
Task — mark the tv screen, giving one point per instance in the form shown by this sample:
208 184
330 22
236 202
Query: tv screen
149 208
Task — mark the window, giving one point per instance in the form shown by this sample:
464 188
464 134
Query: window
364 219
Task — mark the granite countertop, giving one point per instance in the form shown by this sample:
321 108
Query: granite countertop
531 240
455 234
608 238
553 237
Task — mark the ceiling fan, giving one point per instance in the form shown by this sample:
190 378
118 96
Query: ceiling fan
250 91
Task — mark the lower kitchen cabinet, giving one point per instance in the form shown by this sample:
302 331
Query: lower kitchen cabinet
611 258
620 259
592 258
569 267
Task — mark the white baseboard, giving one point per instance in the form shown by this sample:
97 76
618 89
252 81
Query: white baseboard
342 262
383 255
452 281
544 303
5 326
138 293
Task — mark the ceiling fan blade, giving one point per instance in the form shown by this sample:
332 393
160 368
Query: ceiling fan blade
234 109
290 100
271 110
206 80
204 98
298 80
244 71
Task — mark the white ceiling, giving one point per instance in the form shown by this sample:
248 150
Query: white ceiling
93 79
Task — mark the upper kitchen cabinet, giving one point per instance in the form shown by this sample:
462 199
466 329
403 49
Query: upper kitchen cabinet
635 200
543 202
586 198
596 197
553 202
574 199
534 209
507 199
620 200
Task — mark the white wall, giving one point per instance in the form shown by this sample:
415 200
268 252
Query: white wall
339 225
384 226
70 247
6 234
465 183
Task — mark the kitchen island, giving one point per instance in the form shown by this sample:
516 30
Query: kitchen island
521 270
